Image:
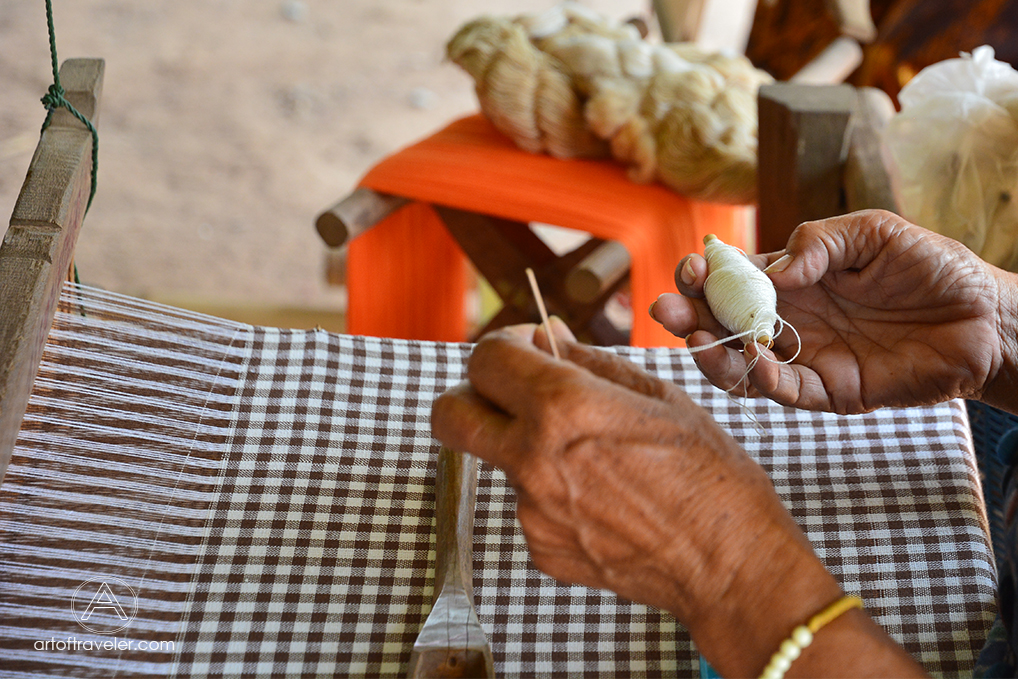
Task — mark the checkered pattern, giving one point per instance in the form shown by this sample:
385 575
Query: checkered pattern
891 502
312 552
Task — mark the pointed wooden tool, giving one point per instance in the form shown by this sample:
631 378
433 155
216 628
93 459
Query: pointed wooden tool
452 642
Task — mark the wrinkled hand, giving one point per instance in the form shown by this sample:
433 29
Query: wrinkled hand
623 483
889 314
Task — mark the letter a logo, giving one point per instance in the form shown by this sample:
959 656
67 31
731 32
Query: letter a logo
104 598
104 605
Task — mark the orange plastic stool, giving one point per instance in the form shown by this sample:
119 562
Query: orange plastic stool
406 276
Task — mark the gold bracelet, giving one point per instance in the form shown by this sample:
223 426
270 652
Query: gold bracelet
802 636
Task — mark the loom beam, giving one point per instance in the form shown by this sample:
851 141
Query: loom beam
37 250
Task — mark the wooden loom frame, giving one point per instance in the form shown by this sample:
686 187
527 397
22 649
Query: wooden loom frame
38 249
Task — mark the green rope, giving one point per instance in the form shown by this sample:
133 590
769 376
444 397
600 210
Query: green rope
54 99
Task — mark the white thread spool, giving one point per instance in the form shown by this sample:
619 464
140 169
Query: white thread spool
740 295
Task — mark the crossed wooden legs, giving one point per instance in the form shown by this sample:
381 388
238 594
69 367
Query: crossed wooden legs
575 286
502 250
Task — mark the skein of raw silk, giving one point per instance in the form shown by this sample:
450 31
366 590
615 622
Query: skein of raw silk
572 83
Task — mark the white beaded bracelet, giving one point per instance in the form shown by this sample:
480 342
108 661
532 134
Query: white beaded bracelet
802 636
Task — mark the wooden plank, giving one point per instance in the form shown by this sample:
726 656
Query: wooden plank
82 80
38 247
801 156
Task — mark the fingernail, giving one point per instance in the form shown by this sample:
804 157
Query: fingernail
651 309
687 274
779 265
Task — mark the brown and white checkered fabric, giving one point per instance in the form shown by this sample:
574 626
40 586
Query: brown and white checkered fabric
267 494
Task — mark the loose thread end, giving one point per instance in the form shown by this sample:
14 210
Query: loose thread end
760 429
746 410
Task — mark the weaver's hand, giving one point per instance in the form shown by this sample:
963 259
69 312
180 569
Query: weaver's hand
624 483
888 313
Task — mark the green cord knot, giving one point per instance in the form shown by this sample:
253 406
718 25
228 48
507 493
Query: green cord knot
54 98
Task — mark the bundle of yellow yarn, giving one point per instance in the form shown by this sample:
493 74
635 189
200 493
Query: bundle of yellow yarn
571 83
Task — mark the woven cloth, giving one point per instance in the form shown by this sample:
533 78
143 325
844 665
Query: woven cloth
397 287
260 503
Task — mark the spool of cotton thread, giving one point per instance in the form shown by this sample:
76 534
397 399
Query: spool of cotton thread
743 299
740 295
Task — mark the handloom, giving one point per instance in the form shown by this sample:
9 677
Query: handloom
268 495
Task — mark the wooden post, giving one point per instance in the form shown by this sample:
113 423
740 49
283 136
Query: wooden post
38 247
868 184
801 156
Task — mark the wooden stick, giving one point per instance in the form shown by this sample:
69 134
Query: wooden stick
599 271
833 65
355 214
712 24
39 245
544 312
854 18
